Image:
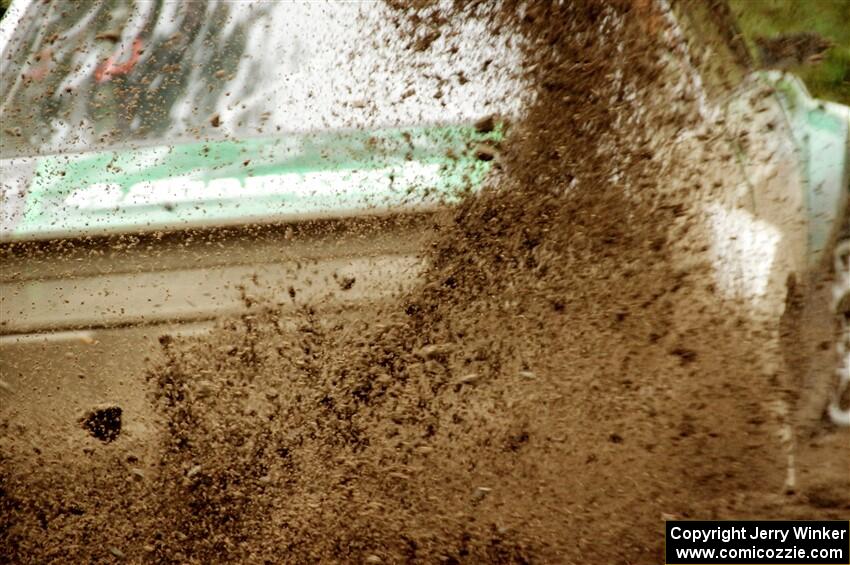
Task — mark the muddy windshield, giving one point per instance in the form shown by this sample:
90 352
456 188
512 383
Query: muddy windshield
86 75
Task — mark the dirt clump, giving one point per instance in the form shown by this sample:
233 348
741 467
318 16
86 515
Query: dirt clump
103 422
787 50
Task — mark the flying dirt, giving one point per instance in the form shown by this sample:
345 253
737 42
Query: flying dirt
542 372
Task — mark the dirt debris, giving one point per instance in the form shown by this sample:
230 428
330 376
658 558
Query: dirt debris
553 389
792 49
103 422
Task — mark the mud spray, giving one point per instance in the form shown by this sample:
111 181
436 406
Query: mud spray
564 376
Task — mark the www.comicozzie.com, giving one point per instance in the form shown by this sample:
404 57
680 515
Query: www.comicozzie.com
758 542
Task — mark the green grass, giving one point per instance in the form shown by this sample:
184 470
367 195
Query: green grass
829 79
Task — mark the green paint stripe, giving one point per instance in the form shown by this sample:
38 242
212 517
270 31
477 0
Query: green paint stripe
212 183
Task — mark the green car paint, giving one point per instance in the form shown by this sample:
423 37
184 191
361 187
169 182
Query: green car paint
326 174
821 132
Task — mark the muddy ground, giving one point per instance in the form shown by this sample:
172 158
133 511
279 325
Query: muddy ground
563 377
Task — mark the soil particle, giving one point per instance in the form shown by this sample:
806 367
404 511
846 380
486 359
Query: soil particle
346 282
486 124
485 152
103 422
111 36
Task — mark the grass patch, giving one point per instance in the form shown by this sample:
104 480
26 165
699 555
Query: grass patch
828 79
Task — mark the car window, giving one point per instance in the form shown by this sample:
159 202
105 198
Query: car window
102 74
